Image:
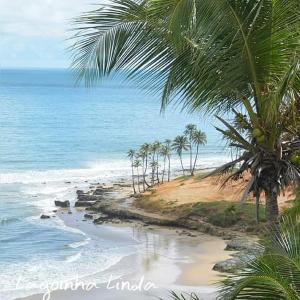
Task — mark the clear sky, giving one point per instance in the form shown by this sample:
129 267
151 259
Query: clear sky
33 33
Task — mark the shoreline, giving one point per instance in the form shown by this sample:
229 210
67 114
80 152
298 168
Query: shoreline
109 206
181 273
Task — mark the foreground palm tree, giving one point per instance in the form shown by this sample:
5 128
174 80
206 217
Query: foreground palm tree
180 144
213 55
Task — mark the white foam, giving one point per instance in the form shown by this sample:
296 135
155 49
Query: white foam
54 223
79 244
74 257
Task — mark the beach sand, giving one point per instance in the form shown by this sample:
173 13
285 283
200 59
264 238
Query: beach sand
169 260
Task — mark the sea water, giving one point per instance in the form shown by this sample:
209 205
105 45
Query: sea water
57 137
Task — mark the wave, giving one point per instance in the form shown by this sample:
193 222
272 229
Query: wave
94 170
8 220
79 244
25 279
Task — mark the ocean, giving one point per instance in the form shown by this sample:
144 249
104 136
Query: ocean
57 137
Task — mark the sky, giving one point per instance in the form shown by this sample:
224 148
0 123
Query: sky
34 33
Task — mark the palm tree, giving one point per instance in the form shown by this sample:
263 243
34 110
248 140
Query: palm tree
165 153
180 144
131 155
199 138
213 55
189 132
156 150
137 164
168 145
144 154
275 274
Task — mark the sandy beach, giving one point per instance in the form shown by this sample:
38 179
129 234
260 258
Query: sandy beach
168 259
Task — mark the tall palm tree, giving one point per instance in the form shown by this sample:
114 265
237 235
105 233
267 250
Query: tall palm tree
131 155
144 155
137 164
213 55
156 151
165 153
180 144
168 143
189 132
199 138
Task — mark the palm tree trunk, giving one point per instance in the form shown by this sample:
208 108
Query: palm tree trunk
191 157
169 168
257 207
145 171
272 211
153 169
157 169
163 175
193 170
133 182
138 175
144 175
181 164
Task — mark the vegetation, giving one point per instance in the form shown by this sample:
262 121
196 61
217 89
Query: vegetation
226 214
154 160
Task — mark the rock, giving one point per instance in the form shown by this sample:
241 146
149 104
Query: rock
230 265
63 204
79 192
67 182
84 203
86 197
89 216
55 211
45 217
69 212
102 219
240 244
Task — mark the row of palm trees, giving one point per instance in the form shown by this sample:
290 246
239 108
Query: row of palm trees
154 160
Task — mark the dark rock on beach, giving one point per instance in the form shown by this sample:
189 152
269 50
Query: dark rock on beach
89 216
84 203
62 204
45 217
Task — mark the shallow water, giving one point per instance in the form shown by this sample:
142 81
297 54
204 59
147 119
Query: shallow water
54 138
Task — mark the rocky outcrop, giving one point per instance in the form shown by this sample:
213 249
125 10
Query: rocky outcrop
247 249
63 204
97 194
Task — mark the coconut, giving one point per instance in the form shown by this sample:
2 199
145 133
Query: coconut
295 160
261 139
257 133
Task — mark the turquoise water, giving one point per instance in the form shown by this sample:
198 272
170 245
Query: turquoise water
53 132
